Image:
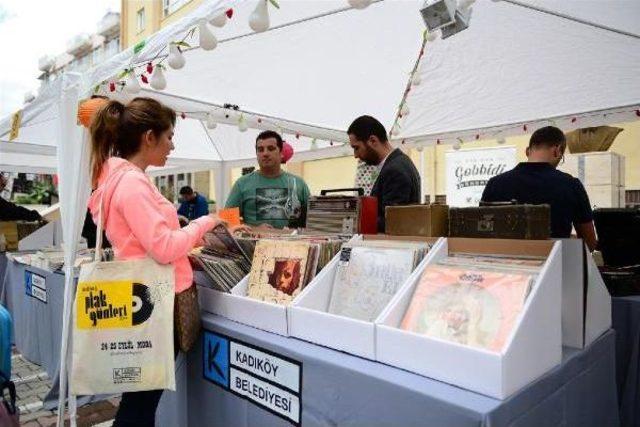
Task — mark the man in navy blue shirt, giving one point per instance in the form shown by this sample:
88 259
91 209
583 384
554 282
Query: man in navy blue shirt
537 182
193 204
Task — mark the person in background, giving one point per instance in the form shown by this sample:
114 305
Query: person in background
538 182
138 220
193 205
398 181
270 196
9 211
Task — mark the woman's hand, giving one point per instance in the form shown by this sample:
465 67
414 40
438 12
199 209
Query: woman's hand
242 228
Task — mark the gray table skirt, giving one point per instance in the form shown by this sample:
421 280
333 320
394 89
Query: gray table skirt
626 322
340 389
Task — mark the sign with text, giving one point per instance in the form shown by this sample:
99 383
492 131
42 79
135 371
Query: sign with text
468 171
269 380
35 286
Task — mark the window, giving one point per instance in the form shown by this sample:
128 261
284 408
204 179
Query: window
140 20
632 198
170 6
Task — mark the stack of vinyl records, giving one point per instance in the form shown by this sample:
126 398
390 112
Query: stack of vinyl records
281 269
473 300
369 274
328 245
221 259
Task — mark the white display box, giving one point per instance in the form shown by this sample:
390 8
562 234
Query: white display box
583 319
240 308
309 320
533 347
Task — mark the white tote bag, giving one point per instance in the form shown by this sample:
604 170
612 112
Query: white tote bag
122 326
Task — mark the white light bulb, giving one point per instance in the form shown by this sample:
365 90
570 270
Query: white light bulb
242 125
207 40
158 82
404 110
211 123
175 59
457 145
416 79
131 85
219 20
433 35
359 4
259 19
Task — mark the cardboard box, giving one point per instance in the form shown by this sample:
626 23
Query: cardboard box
603 169
417 220
533 348
586 304
10 231
309 320
604 196
242 309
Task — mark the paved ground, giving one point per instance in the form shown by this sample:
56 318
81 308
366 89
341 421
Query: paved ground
32 384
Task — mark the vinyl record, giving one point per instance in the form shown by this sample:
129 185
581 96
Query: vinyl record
142 305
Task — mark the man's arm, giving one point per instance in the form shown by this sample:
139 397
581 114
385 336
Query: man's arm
583 217
587 232
304 201
183 209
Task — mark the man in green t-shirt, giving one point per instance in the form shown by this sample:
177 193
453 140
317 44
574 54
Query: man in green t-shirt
270 195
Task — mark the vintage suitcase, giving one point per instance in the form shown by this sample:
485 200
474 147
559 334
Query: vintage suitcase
5 342
417 220
618 235
339 214
531 222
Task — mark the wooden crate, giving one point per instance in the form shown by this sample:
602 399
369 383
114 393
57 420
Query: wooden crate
417 220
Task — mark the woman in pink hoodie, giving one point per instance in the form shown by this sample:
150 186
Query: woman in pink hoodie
138 220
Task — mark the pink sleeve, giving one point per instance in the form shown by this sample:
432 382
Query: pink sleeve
139 208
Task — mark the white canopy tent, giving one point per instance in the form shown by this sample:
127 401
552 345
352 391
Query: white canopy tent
325 66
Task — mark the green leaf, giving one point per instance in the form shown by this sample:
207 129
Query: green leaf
123 74
191 32
96 89
275 4
139 46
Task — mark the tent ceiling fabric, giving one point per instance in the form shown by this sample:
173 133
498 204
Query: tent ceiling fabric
516 65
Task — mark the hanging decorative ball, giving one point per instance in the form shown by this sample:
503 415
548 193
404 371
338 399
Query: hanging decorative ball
331 143
229 13
402 142
260 121
144 79
259 19
525 128
149 68
219 20
477 137
573 120
638 113
88 109
287 152
211 123
207 40
183 115
297 136
176 59
359 4
112 87
158 82
132 86
437 142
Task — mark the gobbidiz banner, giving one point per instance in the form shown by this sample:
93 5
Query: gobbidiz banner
468 171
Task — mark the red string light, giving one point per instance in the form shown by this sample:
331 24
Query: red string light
144 79
229 13
149 68
573 120
524 128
